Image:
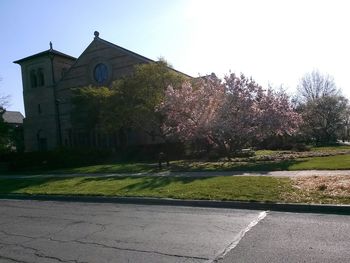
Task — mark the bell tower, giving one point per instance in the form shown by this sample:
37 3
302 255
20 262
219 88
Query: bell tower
40 73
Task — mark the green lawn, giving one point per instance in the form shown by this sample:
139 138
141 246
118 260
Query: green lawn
218 188
112 168
335 162
330 148
262 189
341 162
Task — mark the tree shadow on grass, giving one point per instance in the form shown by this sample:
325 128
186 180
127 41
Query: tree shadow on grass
12 185
149 182
160 182
283 165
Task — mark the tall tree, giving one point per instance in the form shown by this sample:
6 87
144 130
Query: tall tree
325 118
322 107
316 85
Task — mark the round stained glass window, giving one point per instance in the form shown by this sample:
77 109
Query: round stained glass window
100 73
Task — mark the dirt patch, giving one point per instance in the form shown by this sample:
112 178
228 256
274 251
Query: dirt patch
333 189
338 185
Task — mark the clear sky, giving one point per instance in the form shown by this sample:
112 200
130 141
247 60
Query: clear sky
273 41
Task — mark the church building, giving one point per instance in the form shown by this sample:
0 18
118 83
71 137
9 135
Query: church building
48 78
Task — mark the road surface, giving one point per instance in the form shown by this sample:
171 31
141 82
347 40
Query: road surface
51 232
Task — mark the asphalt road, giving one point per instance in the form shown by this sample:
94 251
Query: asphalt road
290 237
43 231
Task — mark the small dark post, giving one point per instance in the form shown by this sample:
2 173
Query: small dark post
163 157
160 159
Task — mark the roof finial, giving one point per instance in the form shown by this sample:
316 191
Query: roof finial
96 33
50 45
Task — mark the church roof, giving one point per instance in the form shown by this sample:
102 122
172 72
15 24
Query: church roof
131 53
125 50
97 38
45 53
14 117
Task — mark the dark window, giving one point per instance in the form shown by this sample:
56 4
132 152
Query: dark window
41 80
39 109
33 79
64 70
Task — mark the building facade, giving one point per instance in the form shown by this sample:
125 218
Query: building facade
48 79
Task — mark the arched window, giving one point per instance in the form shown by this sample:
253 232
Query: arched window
33 79
41 81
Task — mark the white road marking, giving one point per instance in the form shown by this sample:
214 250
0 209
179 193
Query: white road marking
241 234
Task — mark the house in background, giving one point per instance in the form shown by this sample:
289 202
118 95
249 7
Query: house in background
48 79
14 121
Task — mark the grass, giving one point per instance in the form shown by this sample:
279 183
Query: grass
276 161
331 148
341 162
242 188
336 162
218 188
112 168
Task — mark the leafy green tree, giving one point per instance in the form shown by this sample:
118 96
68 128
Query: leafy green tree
130 102
89 104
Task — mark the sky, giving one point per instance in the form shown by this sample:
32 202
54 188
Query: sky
275 42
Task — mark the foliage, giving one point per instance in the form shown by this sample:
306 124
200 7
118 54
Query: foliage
92 100
190 110
324 118
231 114
130 102
324 111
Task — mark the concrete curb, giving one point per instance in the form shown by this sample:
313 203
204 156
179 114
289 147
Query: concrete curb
288 207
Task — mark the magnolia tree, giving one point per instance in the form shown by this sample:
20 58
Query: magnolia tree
231 114
190 111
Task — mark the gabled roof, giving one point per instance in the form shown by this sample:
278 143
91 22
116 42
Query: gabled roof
131 53
124 49
14 117
45 53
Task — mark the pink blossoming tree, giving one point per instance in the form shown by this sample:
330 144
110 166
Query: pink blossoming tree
230 114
